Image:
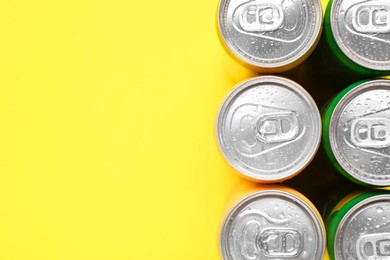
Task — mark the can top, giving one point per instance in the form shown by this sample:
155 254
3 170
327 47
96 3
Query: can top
269 128
272 224
364 231
269 33
359 132
362 31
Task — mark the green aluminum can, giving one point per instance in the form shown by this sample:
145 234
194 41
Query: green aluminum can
356 132
357 36
358 226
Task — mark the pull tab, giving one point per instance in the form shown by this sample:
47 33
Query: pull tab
256 129
280 242
277 127
373 246
258 16
371 132
371 17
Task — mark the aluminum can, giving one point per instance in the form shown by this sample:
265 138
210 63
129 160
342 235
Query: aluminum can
268 128
356 132
359 227
269 35
358 34
272 222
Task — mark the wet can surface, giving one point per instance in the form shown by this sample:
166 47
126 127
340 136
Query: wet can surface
359 227
358 34
356 132
269 35
272 223
268 128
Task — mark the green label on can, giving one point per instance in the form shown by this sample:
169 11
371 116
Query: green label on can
354 49
346 212
326 119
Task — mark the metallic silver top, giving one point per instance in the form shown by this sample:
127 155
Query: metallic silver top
272 224
359 132
269 128
269 33
364 232
361 29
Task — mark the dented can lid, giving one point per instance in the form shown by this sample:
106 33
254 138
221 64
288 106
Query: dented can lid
361 29
272 224
364 230
359 132
269 128
270 34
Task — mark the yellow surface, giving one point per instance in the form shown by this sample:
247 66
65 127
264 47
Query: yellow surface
107 113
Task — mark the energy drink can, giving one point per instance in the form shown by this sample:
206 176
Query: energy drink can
269 35
356 132
357 33
269 129
359 227
272 222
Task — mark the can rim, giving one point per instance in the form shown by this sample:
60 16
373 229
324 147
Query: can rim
316 138
349 209
360 60
281 65
308 208
344 164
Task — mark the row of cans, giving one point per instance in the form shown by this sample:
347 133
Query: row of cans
269 129
272 36
276 222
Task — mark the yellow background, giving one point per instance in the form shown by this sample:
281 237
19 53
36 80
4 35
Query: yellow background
107 147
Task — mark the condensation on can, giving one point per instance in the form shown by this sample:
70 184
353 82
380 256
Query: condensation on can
358 226
356 132
269 36
271 222
268 129
357 36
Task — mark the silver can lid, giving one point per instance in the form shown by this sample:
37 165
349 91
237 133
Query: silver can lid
362 31
270 33
272 224
364 232
359 132
269 128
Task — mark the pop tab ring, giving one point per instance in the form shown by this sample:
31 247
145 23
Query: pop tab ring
258 16
277 127
373 246
373 17
371 132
